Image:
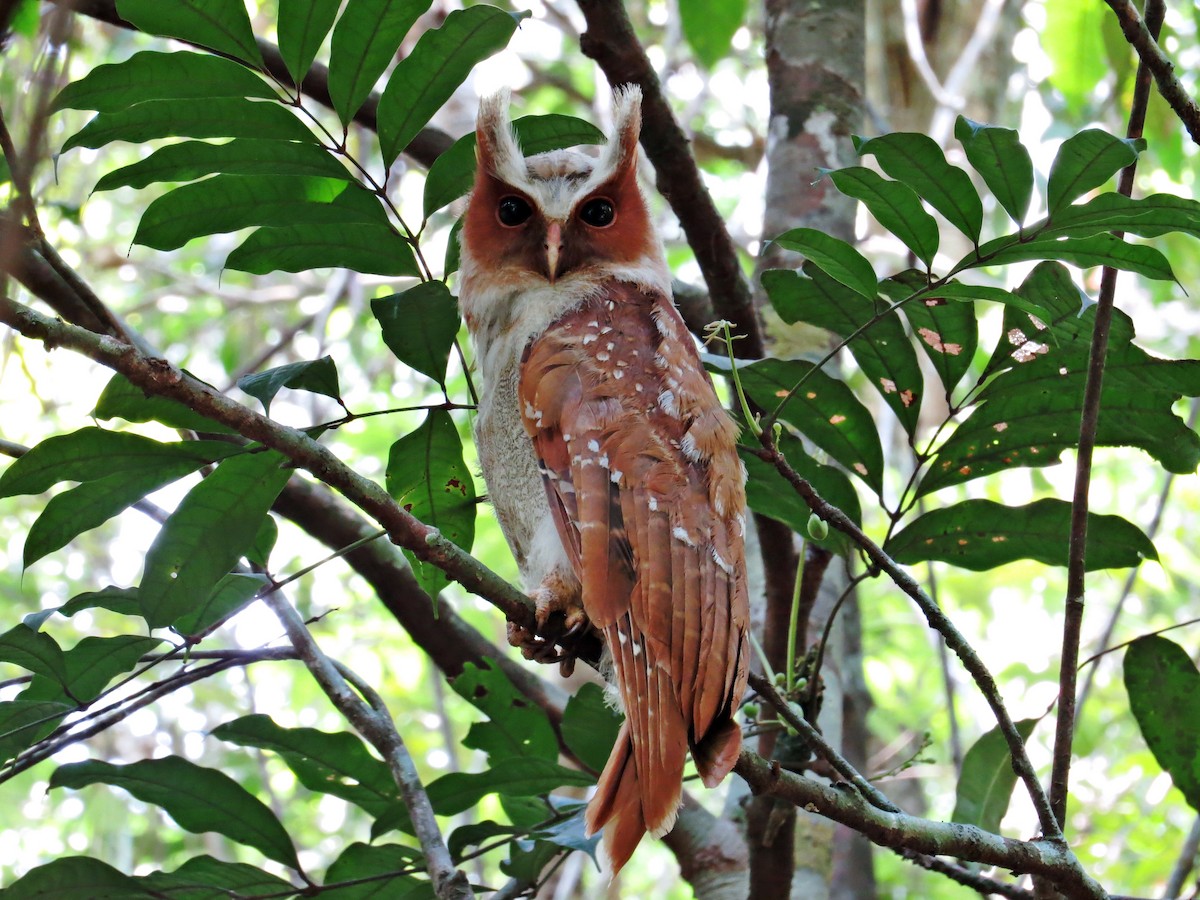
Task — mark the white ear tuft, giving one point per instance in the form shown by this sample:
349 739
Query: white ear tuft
496 147
621 150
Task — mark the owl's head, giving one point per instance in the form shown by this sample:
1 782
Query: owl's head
559 215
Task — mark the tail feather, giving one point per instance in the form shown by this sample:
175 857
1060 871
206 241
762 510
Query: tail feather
617 805
716 755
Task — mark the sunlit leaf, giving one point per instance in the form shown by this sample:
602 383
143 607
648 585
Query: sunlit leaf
834 257
232 593
442 59
1150 216
302 26
197 798
999 156
317 375
982 534
204 537
427 476
709 26
590 726
152 75
1164 695
419 326
918 161
944 329
515 727
895 205
986 782
1072 39
1085 161
373 249
364 42
122 399
76 878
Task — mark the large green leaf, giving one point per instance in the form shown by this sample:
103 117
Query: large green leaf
122 399
1072 39
232 594
198 798
982 534
590 726
1164 694
918 161
895 205
452 173
25 722
33 650
1097 250
230 202
205 878
515 727
374 249
883 351
221 25
190 160
834 257
999 156
317 375
364 42
377 871
1085 161
1029 412
90 666
1149 216
233 117
302 26
987 780
122 601
76 878
203 538
442 59
945 330
419 326
709 26
824 409
151 75
427 476
330 763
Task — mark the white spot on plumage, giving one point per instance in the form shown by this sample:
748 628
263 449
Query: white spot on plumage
623 638
616 476
618 374
609 345
637 651
593 445
653 503
588 338
667 401
605 330
638 387
724 566
689 448
603 460
680 533
602 356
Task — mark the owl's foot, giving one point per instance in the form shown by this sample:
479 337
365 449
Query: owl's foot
561 624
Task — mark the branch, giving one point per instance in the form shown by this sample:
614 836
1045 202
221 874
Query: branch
611 42
1138 34
1064 731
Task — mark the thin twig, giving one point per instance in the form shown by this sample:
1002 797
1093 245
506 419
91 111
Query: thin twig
1064 731
1184 864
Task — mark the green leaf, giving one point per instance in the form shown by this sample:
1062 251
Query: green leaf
1029 413
883 351
453 249
264 542
317 375
986 784
442 59
824 409
768 493
76 878
1150 216
427 476
122 399
25 722
226 203
302 26
205 878
197 798
151 75
999 156
590 726
419 326
834 257
233 117
335 763
190 160
33 650
232 594
90 666
1086 161
1164 695
365 40
475 835
709 26
515 727
982 534
220 25
374 249
119 600
918 161
945 331
1098 250
452 173
380 867
896 206
1072 39
204 537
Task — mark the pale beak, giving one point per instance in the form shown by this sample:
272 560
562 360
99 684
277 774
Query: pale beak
553 248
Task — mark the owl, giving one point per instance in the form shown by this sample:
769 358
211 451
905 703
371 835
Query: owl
611 464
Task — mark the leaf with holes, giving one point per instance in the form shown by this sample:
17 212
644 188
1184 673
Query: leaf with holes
999 156
419 326
317 375
1164 695
302 26
365 40
198 799
221 25
423 81
987 780
982 534
427 476
1084 162
945 330
894 205
880 346
515 727
834 257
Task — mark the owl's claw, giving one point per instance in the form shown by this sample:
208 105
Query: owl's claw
560 623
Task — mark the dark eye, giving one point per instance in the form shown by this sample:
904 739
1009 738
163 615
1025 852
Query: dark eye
598 213
513 211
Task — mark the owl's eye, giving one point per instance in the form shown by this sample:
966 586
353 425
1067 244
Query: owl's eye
598 212
513 211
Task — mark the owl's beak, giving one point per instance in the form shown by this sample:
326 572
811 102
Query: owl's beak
553 247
